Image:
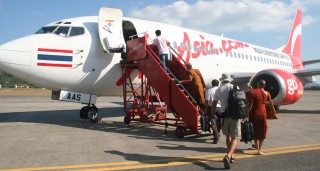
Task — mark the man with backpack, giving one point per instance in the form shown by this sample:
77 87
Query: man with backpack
231 127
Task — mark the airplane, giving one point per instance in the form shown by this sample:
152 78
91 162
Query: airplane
80 58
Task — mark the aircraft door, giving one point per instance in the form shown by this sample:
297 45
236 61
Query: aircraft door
110 30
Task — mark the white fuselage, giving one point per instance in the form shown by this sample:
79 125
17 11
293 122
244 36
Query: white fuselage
93 71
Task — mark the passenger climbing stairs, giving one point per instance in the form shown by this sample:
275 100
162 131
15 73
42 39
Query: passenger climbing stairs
158 90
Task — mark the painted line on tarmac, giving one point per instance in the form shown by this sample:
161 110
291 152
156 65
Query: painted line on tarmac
174 161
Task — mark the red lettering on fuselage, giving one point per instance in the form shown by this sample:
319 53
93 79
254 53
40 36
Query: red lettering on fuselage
185 41
228 45
206 47
204 44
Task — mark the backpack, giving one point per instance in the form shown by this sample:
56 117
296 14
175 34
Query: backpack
237 104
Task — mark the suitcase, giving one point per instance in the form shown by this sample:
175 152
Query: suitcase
247 133
207 123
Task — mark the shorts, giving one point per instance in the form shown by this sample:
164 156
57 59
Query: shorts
231 127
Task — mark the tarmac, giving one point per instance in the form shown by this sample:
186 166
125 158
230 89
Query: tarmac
38 133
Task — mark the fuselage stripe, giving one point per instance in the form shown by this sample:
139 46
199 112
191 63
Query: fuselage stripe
54 57
54 65
54 50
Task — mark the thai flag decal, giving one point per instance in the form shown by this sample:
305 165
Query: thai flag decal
54 58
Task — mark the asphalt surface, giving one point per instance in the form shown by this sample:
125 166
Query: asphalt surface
40 134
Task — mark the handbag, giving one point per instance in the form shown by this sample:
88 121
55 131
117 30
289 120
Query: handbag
271 112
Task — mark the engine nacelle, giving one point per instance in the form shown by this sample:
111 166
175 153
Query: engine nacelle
284 87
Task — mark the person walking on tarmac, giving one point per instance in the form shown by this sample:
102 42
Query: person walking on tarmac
231 128
197 85
162 45
258 116
215 123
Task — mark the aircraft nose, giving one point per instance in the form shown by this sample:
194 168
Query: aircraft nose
15 57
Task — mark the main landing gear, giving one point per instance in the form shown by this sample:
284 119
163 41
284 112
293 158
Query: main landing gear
89 112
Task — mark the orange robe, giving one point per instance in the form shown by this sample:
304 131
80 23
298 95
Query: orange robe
197 85
257 114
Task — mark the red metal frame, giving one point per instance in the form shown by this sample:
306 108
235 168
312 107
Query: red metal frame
138 99
142 102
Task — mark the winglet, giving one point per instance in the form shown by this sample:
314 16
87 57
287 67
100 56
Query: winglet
293 46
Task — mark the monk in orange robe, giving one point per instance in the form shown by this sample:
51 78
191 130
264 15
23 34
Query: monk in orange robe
197 85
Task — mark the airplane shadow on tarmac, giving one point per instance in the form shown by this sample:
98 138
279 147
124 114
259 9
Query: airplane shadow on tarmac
299 111
70 118
165 160
138 130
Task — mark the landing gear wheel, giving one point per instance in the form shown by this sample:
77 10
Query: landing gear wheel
92 113
276 107
180 132
83 112
127 120
89 112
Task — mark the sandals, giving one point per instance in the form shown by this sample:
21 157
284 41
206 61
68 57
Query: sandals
226 162
232 159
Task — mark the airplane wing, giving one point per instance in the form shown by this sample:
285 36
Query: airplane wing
306 75
307 72
311 62
241 79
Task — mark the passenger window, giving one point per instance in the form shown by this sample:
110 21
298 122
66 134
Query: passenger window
212 52
189 47
76 31
175 45
195 48
182 46
231 54
62 31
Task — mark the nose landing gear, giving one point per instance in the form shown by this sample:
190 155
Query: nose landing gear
89 112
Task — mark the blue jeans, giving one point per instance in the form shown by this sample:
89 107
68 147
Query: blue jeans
164 59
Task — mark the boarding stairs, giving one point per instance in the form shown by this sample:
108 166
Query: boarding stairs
157 85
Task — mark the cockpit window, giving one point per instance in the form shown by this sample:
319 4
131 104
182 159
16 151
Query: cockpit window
62 31
48 29
76 31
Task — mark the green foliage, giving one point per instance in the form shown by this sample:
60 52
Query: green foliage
8 81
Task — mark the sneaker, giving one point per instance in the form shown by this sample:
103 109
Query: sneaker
226 162
215 140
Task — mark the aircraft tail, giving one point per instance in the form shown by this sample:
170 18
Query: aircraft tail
293 46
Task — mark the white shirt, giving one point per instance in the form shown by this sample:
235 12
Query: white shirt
222 94
209 94
161 43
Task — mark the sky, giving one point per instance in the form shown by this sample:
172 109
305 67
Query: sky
260 22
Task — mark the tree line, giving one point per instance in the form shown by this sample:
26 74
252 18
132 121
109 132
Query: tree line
9 81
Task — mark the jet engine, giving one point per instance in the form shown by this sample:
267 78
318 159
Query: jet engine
284 87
